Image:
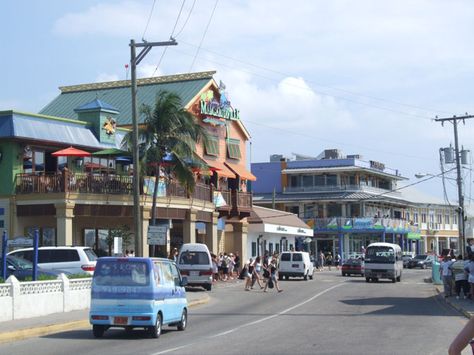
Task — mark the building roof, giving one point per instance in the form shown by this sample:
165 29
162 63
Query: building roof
118 94
268 215
96 105
27 126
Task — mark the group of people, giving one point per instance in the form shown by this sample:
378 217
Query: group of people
327 260
458 275
263 272
225 266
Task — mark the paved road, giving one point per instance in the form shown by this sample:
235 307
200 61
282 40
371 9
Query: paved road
329 315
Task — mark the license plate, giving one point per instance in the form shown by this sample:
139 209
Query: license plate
194 273
120 320
295 265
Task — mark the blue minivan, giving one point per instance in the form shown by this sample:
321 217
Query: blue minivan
137 293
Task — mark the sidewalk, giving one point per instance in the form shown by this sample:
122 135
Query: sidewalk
59 322
465 306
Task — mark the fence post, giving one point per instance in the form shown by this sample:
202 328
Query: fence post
4 255
14 293
66 292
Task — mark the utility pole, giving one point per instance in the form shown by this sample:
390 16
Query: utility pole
134 61
454 120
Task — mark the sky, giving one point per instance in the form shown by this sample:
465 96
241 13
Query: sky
364 77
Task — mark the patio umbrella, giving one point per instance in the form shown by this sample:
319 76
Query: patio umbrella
71 152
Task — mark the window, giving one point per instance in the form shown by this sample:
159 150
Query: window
455 219
277 248
331 180
294 181
194 257
439 218
254 248
2 211
319 180
415 217
285 257
297 257
423 218
307 180
270 248
212 146
33 161
233 148
446 218
124 273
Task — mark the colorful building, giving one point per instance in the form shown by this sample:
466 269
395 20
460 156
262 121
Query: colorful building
350 202
92 197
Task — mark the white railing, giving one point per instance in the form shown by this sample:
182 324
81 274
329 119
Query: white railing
38 298
337 188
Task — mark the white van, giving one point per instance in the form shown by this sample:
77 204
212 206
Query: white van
295 264
383 261
194 262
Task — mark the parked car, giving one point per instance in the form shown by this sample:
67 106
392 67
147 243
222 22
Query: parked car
72 260
422 261
295 264
137 293
353 267
23 269
406 260
194 262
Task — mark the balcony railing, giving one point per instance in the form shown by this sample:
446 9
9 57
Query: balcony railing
242 200
338 188
342 224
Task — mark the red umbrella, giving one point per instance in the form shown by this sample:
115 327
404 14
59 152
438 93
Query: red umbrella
71 152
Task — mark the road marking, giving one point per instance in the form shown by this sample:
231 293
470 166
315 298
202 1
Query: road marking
254 322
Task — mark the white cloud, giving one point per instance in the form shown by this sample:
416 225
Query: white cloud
102 77
148 70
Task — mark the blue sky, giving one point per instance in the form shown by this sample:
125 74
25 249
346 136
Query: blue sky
362 76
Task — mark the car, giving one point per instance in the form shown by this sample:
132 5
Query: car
353 267
295 264
137 292
406 260
422 261
23 269
194 262
72 260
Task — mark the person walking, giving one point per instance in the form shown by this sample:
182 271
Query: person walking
329 261
460 277
469 268
248 274
256 274
321 259
337 260
272 269
447 275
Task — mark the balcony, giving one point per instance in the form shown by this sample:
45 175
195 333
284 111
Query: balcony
338 188
369 224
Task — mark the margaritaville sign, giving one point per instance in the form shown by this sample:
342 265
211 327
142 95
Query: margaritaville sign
229 113
222 108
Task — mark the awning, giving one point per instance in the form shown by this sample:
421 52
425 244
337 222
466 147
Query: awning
241 171
414 236
220 168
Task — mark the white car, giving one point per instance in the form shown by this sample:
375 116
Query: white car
70 260
295 264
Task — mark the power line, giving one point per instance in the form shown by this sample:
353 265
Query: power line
149 18
283 74
315 90
204 35
187 19
171 37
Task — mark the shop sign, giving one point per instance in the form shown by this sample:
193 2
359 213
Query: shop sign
377 165
222 108
158 235
20 242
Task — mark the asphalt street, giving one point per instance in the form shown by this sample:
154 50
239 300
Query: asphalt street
328 315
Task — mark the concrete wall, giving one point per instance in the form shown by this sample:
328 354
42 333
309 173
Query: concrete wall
38 298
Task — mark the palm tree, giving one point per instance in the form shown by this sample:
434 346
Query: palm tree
169 131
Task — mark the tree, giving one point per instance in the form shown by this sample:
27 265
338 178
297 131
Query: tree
170 131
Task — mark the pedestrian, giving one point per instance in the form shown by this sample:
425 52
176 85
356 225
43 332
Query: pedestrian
231 265
460 277
470 279
248 274
272 269
462 339
256 275
321 261
337 260
173 255
237 262
470 248
447 275
215 269
225 267
329 261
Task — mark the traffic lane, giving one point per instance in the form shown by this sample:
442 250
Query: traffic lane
229 307
353 318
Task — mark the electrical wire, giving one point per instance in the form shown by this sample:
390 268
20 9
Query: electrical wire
204 35
312 90
148 22
283 74
186 21
171 36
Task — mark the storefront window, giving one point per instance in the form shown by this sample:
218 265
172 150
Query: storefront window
331 180
49 236
319 180
307 180
102 246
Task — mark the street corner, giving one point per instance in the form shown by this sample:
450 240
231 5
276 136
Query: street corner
461 306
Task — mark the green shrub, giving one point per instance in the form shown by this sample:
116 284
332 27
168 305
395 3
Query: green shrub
2 281
41 278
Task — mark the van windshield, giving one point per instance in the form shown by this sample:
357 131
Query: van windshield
379 254
194 258
121 273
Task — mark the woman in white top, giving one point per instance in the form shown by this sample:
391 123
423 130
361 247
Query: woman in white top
256 272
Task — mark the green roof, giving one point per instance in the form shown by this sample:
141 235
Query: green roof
118 94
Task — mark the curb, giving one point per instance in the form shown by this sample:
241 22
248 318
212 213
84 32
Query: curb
25 333
458 308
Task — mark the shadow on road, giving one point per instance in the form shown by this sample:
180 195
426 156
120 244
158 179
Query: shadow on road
114 333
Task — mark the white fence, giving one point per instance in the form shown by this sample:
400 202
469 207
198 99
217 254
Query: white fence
38 298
